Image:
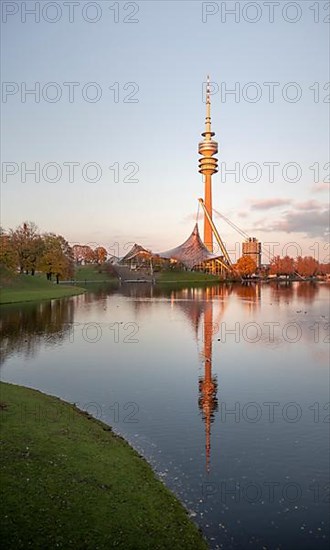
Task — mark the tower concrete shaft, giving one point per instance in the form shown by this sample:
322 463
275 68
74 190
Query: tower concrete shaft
208 166
208 234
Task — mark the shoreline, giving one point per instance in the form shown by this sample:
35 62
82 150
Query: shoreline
92 486
22 288
20 296
10 296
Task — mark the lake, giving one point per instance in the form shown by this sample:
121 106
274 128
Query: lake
223 389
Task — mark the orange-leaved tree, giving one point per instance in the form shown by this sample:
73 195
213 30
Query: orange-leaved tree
246 266
282 266
57 257
307 266
100 254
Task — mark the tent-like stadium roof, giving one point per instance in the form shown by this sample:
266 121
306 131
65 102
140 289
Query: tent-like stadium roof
191 252
136 250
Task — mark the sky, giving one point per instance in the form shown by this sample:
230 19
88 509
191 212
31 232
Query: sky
113 126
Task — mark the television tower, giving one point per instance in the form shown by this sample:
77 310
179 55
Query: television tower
208 166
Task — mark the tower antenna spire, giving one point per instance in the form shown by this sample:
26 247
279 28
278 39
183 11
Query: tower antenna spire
208 106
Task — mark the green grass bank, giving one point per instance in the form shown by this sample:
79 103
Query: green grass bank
25 288
182 277
67 481
95 273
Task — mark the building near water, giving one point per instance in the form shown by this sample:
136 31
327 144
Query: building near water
138 258
190 255
252 248
194 255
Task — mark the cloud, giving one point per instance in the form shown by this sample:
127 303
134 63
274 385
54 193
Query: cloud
312 223
266 204
320 187
309 205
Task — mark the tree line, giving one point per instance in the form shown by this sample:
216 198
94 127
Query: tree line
305 266
26 250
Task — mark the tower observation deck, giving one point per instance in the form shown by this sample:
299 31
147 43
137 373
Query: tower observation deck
208 165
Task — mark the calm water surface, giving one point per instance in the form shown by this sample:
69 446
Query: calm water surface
224 390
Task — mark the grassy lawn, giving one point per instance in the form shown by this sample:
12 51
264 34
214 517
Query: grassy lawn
25 288
185 277
94 273
68 482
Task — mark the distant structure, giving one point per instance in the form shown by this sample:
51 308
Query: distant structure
208 166
193 254
137 256
252 248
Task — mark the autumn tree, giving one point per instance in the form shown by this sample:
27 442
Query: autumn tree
282 266
307 266
275 266
100 254
83 253
324 268
57 257
8 253
28 245
76 251
246 266
36 247
287 266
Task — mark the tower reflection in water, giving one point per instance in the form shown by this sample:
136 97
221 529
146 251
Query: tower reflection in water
205 307
208 385
215 299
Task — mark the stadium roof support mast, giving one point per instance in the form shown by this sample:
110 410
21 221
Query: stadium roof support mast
208 166
229 265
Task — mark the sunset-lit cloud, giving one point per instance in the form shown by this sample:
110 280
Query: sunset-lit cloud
312 223
309 205
320 187
266 204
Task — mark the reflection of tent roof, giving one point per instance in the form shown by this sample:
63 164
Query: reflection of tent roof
193 309
191 252
136 250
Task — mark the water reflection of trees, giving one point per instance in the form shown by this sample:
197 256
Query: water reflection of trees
189 299
98 292
304 290
248 292
307 291
26 327
281 292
